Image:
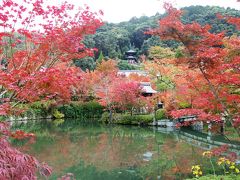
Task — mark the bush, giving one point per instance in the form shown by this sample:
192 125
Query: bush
2 118
57 114
67 110
90 109
38 109
105 117
93 108
184 105
16 164
160 114
134 119
128 119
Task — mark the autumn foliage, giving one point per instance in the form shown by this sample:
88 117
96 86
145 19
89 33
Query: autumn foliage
38 43
114 91
14 164
211 63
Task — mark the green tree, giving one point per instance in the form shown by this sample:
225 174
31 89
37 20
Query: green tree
158 52
86 63
100 58
124 65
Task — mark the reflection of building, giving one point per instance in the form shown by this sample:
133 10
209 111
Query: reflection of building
131 56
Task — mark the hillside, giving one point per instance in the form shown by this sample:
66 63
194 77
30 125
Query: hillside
113 40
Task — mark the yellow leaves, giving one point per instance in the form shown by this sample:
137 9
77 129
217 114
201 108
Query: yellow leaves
237 170
207 153
158 52
229 164
164 69
107 67
196 167
221 160
196 170
138 78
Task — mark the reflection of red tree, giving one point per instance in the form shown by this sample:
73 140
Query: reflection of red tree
183 157
102 151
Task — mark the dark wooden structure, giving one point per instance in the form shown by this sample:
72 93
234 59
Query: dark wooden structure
131 56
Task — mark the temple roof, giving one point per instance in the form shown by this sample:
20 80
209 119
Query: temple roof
131 51
147 88
128 72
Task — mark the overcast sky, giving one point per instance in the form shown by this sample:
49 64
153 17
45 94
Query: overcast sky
123 10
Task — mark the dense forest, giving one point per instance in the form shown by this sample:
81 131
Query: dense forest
113 40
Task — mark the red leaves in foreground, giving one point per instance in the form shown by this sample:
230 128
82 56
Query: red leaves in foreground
237 122
37 46
14 164
224 151
200 114
214 62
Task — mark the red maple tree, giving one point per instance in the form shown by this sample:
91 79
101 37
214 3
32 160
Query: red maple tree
38 43
214 59
115 91
14 164
104 76
127 94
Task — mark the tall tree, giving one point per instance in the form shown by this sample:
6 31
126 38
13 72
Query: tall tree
103 77
207 54
38 44
127 94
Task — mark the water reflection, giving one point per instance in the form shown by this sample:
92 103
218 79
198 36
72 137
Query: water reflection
94 151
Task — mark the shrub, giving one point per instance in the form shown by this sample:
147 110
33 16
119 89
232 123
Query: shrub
128 119
145 119
105 117
38 108
90 109
15 164
57 114
160 114
184 105
67 110
134 119
2 118
38 112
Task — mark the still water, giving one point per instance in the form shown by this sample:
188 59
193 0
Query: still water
94 151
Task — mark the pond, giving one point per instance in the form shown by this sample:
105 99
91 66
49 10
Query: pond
94 151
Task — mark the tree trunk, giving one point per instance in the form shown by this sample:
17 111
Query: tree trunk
110 116
215 94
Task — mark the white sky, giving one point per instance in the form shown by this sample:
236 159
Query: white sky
123 10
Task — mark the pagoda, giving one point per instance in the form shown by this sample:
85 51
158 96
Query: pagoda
131 56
